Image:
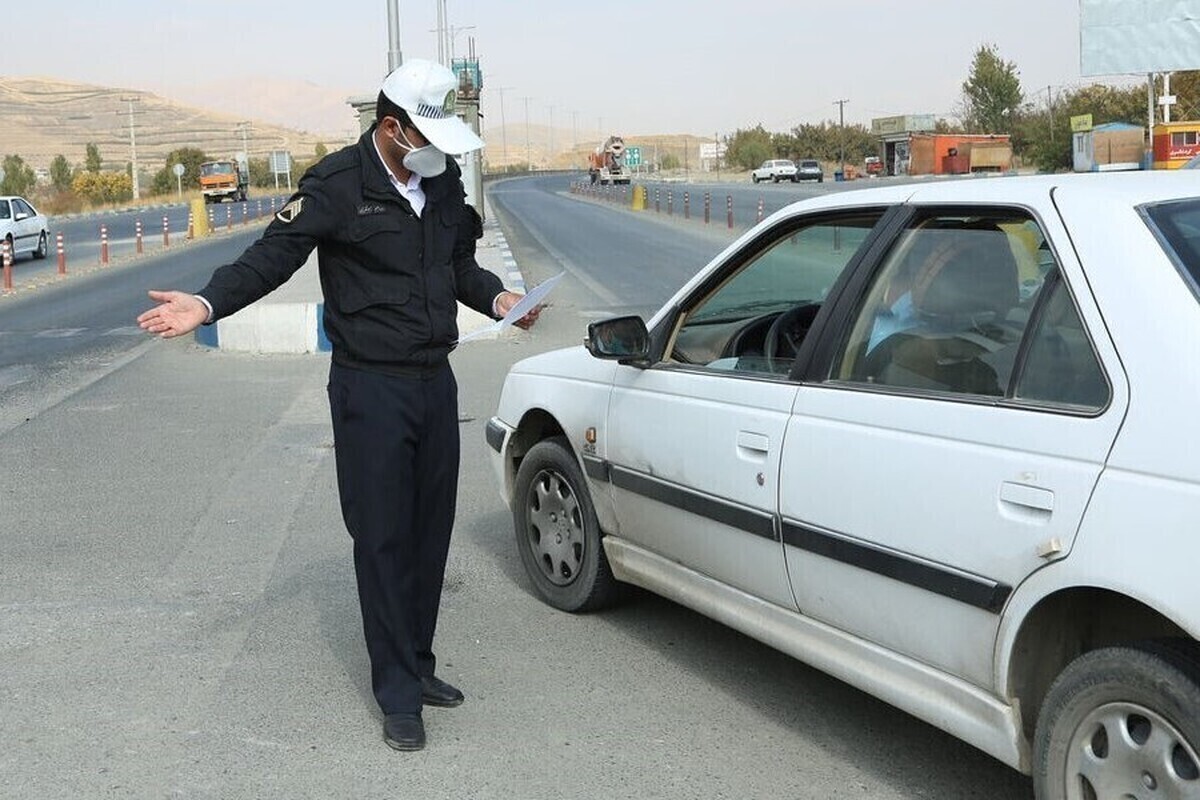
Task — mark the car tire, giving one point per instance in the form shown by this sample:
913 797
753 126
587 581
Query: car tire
774 179
12 249
1121 722
43 248
754 179
558 535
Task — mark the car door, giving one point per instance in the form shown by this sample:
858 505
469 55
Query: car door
8 226
695 440
26 230
950 444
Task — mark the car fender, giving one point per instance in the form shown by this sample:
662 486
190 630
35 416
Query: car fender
1129 543
572 388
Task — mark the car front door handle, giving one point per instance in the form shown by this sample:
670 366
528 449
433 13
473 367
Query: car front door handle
753 444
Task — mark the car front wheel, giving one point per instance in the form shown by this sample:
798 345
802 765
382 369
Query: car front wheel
558 535
1121 722
42 247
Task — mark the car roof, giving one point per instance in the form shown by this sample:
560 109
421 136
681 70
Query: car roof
1130 188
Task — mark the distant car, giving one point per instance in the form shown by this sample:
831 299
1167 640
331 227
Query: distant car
775 170
810 170
23 228
873 165
933 440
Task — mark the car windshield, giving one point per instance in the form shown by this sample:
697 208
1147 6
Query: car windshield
1178 226
222 168
809 164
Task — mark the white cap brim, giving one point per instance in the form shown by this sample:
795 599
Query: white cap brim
450 134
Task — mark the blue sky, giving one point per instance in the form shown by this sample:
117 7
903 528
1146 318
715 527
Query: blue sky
656 66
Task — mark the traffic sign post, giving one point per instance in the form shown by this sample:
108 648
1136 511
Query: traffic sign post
633 157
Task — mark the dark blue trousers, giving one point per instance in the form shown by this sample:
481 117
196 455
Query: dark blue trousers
397 450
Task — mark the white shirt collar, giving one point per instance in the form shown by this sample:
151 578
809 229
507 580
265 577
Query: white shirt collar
411 191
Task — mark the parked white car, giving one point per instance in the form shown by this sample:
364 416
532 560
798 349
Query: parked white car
937 441
774 170
23 228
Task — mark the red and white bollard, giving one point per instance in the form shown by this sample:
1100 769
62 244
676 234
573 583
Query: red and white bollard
245 214
272 206
228 218
258 214
210 219
7 250
191 234
729 210
166 232
62 254
687 206
138 235
759 216
707 206
104 245
670 203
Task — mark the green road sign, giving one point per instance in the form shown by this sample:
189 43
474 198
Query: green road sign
633 156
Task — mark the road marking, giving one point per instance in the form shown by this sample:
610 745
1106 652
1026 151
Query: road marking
59 333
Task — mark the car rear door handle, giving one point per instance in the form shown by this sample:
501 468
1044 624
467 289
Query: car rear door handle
1021 494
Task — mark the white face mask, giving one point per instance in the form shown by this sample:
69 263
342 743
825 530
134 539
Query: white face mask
427 161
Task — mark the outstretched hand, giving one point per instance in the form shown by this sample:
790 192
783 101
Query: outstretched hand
177 313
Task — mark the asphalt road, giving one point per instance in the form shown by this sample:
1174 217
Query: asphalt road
178 614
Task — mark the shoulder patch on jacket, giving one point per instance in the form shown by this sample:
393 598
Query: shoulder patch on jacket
292 210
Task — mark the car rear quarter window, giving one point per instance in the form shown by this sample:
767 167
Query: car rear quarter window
1177 226
4 210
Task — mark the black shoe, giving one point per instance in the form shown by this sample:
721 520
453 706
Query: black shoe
436 692
404 731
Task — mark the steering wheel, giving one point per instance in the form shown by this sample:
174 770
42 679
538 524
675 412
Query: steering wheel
786 333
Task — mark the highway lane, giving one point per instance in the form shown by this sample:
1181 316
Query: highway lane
81 233
55 337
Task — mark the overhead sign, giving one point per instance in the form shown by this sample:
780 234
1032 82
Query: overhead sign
281 161
633 156
1081 123
1121 37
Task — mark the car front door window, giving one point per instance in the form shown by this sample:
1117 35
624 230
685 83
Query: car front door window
753 321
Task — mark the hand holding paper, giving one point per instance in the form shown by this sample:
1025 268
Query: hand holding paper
528 305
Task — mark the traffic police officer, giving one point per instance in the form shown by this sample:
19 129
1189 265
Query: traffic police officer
395 245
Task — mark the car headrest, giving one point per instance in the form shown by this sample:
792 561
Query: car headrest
972 272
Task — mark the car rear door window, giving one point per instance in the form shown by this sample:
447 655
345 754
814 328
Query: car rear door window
1177 226
5 213
973 305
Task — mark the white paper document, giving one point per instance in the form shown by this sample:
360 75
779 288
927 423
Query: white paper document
526 304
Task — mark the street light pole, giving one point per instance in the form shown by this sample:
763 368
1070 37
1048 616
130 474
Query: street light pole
503 129
528 152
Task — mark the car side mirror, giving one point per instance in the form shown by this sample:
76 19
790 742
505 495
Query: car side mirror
621 339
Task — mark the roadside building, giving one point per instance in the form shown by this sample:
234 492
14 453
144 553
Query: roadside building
1109 147
909 146
1175 143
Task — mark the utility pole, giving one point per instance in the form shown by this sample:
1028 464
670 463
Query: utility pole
574 130
394 57
528 152
244 128
503 129
551 147
841 104
133 146
717 154
441 31
1050 109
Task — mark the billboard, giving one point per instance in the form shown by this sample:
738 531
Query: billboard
1136 37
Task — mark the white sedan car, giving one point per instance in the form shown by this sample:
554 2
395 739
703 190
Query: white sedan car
22 228
936 441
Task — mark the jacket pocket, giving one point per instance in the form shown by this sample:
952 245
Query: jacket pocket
363 228
356 298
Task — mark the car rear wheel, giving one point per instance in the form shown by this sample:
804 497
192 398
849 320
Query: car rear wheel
558 535
42 248
1121 722
754 179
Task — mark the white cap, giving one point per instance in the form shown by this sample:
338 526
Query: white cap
427 91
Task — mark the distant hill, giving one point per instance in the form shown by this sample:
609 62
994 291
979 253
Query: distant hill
43 117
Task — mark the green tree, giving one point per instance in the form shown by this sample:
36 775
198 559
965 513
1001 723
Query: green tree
670 161
92 162
260 173
746 149
320 151
60 173
991 93
191 158
18 176
103 187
